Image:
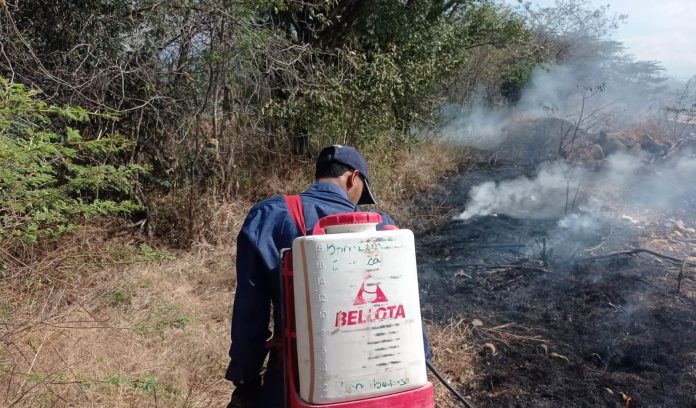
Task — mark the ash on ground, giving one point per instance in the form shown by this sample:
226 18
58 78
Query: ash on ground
570 327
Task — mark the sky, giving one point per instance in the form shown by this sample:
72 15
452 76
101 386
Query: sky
663 30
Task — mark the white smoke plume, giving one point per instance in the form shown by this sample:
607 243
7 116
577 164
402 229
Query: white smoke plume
525 197
599 90
585 93
626 183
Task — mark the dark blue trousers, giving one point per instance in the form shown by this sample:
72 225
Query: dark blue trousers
272 393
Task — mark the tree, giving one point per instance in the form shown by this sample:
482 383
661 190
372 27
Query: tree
211 92
51 178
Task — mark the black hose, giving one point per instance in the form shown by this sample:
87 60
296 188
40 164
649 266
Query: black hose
448 386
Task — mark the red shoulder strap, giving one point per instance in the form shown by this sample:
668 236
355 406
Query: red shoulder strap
294 203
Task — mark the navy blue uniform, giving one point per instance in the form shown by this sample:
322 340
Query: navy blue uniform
268 228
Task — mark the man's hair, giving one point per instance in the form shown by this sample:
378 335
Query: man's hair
331 170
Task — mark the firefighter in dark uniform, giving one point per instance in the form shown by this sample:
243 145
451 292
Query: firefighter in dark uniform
342 182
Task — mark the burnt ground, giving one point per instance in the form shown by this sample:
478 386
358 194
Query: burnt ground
568 330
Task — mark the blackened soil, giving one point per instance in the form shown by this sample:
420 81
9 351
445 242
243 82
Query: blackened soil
568 331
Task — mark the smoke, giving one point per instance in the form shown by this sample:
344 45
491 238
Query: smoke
476 125
594 92
587 93
598 89
585 202
626 183
524 197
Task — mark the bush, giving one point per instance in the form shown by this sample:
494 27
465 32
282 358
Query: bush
51 178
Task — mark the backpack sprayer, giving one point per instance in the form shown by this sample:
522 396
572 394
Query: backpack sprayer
352 330
352 325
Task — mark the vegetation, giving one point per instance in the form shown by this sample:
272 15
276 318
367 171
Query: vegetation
127 127
213 93
50 178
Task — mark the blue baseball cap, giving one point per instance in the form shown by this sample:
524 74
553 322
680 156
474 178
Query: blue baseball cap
350 157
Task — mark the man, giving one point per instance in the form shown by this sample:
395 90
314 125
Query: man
342 182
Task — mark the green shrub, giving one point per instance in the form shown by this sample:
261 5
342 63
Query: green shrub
150 254
146 384
51 177
163 316
119 297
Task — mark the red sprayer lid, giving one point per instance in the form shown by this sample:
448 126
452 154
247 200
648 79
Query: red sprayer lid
346 219
350 218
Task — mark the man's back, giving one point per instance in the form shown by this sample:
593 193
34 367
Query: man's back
269 228
342 182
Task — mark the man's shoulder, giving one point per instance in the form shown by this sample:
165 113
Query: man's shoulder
270 201
266 215
271 204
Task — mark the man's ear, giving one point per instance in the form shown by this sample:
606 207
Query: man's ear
352 179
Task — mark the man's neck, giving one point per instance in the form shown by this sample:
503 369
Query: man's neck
332 180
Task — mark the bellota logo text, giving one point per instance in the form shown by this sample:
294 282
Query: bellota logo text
362 316
372 314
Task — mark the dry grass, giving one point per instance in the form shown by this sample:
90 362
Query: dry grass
454 356
399 176
460 345
149 334
183 218
105 318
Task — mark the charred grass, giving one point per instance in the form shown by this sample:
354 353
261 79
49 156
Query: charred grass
609 331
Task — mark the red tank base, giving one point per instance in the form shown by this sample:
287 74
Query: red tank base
419 398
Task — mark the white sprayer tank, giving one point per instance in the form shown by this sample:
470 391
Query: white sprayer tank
357 311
